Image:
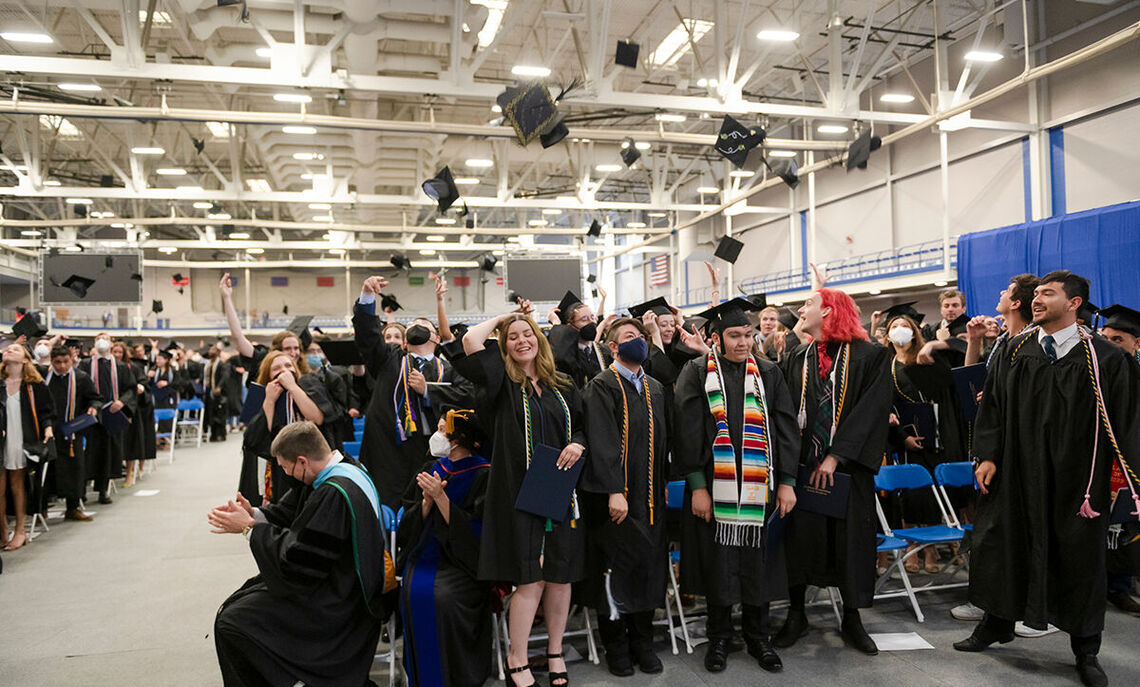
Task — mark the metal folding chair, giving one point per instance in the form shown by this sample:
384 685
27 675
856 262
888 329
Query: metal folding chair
191 418
162 415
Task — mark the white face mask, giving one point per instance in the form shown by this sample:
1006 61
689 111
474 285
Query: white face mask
42 352
902 335
439 445
102 346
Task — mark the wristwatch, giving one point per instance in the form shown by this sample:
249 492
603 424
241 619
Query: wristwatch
245 532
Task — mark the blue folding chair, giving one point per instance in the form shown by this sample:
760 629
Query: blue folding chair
675 501
960 474
388 520
192 418
352 448
358 424
162 415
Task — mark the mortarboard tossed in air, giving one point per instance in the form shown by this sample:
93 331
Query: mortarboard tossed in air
728 249
78 285
156 306
136 276
658 306
626 54
30 326
861 148
786 169
902 310
442 189
595 229
629 152
788 318
341 352
1121 318
732 313
389 303
568 301
760 300
400 262
735 140
300 327
531 111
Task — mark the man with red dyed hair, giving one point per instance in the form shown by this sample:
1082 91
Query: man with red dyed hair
842 388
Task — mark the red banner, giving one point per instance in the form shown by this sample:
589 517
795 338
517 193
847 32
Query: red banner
326 281
463 281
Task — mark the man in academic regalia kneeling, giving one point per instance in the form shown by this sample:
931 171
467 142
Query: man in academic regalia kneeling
314 612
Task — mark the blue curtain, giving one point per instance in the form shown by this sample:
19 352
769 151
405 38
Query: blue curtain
1102 245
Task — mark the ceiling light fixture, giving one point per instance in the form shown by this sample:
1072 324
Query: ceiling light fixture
781 153
465 181
148 150
635 225
320 206
80 87
679 42
167 249
170 172
53 182
265 52
259 185
201 204
831 129
78 201
643 145
31 232
983 56
940 283
303 98
479 162
436 238
255 251
337 251
306 157
657 214
26 37
607 168
238 235
670 117
741 173
778 35
538 223
218 129
445 220
299 130
219 215
874 292
73 249
529 70
901 98
427 251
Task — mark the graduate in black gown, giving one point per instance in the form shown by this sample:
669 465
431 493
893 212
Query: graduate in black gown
841 384
314 611
411 384
575 340
250 355
445 607
142 422
524 402
289 398
214 375
737 491
1046 448
623 499
74 394
115 384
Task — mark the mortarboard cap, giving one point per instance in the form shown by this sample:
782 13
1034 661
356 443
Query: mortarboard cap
554 135
341 352
177 276
156 307
728 314
136 276
530 110
300 327
728 249
786 169
568 301
626 54
861 148
901 310
442 189
1087 312
400 262
389 303
108 262
166 353
629 152
760 300
595 229
1122 318
591 278
788 318
30 326
735 140
78 285
513 296
657 306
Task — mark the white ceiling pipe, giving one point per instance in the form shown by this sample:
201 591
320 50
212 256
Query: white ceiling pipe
205 23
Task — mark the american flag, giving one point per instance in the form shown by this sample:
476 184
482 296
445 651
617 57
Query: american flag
659 270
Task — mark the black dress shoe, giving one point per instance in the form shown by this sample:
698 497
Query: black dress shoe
1124 601
619 664
1092 675
795 626
716 657
735 644
854 634
765 655
647 659
104 499
982 638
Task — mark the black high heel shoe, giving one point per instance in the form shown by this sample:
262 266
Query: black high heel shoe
557 679
511 672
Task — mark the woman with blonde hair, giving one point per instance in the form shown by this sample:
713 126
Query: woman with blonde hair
525 403
290 396
27 414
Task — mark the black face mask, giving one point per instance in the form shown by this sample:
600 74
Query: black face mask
589 332
418 334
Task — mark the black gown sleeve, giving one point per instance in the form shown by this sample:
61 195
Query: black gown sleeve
86 396
460 541
989 426
784 428
128 394
319 395
603 473
691 452
577 420
369 339
564 345
292 560
284 511
485 369
865 423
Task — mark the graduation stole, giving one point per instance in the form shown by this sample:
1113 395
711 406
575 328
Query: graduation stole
405 414
739 512
625 435
114 376
529 441
840 374
69 413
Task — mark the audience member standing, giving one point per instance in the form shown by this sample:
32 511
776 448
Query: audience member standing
27 418
115 384
73 394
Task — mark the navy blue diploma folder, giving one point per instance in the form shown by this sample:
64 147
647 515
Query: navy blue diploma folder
969 380
114 423
546 490
80 423
254 397
827 501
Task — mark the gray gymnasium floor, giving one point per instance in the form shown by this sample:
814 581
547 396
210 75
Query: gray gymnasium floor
130 600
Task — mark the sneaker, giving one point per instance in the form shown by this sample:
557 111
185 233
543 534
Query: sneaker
968 612
1022 630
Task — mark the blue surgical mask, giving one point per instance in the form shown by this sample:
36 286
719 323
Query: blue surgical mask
315 359
634 351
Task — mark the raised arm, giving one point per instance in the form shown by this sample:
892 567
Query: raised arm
366 326
227 290
476 337
441 307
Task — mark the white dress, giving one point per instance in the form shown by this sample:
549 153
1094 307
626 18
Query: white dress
14 458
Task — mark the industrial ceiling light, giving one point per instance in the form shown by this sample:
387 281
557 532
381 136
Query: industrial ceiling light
301 98
983 56
427 251
259 185
530 70
337 251
679 42
80 87
538 223
299 130
643 145
465 181
479 162
657 214
436 238
255 251
781 153
670 117
741 173
167 249
221 216
778 35
900 98
308 157
53 182
31 232
264 53
445 221
170 172
831 129
148 150
238 235
201 204
26 37
635 225
607 168
78 201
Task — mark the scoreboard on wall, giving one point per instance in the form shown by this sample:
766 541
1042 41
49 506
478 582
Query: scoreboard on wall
91 278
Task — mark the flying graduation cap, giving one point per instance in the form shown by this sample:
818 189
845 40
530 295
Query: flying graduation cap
735 140
902 310
861 148
300 327
728 249
156 307
442 189
77 284
732 313
30 326
626 54
657 306
389 303
1122 318
532 113
786 169
568 301
595 229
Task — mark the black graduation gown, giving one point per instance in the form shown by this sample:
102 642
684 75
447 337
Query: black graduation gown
393 462
70 464
729 575
642 587
232 385
445 607
337 387
306 616
514 540
1034 558
841 553
166 398
258 438
105 453
33 423
956 353
578 364
141 443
